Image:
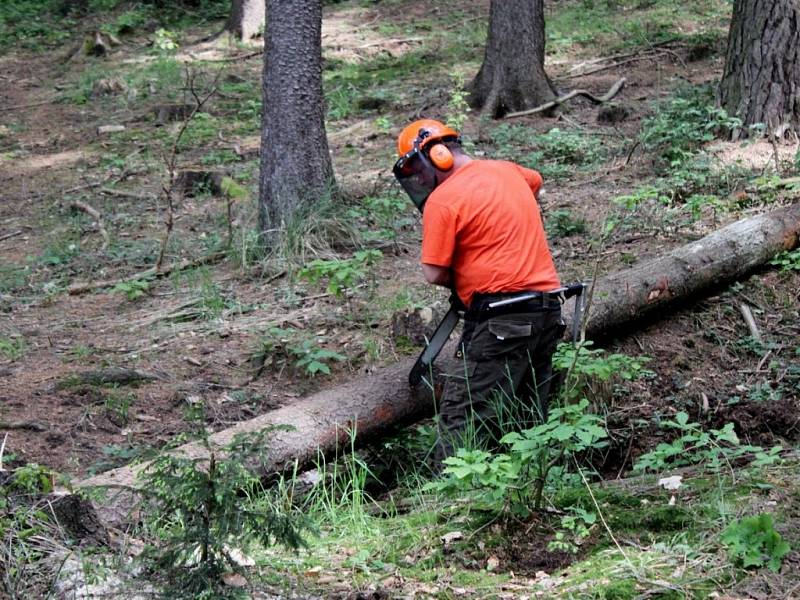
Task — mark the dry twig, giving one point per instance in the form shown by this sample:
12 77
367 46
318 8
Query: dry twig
615 89
95 214
171 159
82 288
747 314
7 236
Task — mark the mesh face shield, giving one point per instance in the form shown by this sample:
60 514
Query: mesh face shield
416 175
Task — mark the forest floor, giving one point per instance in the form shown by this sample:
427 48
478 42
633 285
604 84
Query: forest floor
226 340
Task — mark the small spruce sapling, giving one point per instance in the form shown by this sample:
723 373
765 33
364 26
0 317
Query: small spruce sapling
200 509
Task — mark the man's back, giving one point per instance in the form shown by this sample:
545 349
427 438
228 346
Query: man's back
485 224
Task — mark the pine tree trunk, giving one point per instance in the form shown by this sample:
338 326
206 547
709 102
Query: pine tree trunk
512 77
296 166
246 19
761 83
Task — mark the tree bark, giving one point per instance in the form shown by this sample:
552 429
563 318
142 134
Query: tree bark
512 77
246 19
372 405
296 165
761 82
623 298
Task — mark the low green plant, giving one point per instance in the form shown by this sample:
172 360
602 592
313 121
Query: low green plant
340 496
556 153
312 359
682 124
788 260
305 353
165 41
202 509
60 252
457 106
752 542
25 522
513 481
341 274
594 371
12 348
117 455
575 528
561 223
380 218
713 449
118 405
133 289
12 277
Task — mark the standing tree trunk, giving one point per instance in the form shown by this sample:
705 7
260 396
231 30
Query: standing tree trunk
761 83
246 19
296 166
512 77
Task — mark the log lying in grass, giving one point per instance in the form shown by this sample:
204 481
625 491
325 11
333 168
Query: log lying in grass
622 298
382 400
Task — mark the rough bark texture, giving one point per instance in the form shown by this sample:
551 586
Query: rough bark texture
622 298
295 163
383 400
512 77
246 19
761 82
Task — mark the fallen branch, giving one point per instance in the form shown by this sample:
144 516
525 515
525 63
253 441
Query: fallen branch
124 194
392 41
7 236
95 214
29 425
236 58
649 56
615 89
21 106
747 314
108 376
82 288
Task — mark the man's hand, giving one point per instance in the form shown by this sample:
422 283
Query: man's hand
437 275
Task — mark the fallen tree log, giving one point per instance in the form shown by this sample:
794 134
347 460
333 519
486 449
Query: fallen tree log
620 299
372 405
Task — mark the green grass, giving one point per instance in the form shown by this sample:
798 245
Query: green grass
12 348
583 26
556 154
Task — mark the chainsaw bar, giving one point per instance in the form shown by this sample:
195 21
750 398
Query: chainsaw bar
435 345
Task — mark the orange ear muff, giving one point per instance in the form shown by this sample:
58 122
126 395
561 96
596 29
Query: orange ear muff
441 157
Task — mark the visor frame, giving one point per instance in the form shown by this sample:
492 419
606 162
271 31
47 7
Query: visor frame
418 183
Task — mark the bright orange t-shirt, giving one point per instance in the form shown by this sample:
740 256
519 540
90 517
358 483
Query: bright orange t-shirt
484 223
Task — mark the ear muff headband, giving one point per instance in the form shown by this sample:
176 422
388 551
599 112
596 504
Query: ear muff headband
441 157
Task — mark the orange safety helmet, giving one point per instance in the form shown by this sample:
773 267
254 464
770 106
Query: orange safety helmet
422 133
422 156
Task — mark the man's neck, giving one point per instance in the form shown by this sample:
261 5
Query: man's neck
459 160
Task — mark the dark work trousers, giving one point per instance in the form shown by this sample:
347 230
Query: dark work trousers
504 378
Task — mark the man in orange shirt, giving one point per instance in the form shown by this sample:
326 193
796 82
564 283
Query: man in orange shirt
482 235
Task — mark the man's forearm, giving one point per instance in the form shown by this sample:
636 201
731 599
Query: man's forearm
437 275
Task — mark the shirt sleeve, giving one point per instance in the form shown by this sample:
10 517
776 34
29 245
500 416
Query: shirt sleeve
533 178
438 235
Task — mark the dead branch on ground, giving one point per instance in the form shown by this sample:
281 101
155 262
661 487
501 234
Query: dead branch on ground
747 315
7 236
95 214
615 89
82 288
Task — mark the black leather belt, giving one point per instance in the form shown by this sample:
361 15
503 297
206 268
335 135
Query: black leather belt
487 305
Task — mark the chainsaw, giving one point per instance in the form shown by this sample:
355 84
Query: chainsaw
451 319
